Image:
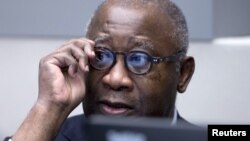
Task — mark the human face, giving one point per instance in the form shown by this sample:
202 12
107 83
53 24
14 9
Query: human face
119 92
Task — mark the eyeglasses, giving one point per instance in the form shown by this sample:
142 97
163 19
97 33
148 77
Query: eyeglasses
137 62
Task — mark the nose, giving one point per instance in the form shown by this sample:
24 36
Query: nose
118 77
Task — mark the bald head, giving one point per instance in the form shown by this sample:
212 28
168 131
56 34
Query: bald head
179 32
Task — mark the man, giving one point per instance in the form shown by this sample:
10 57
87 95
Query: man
131 63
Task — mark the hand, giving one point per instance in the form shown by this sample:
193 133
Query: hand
62 75
62 87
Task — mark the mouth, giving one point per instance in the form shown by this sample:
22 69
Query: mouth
114 108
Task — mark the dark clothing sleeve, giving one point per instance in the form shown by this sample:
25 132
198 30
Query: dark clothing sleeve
7 138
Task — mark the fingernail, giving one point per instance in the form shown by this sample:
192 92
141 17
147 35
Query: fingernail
92 41
87 68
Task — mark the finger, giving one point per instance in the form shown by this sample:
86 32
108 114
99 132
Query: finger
86 45
81 57
90 41
66 62
77 53
89 49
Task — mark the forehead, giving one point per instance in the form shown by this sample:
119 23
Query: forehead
146 21
124 16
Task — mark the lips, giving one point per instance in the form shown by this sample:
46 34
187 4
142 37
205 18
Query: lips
114 108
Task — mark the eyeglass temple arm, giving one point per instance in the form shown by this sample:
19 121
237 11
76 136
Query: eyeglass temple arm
172 58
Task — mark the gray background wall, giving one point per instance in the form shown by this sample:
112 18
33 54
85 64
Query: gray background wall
231 17
219 90
45 18
207 19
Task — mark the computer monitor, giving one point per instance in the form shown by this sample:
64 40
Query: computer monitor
103 128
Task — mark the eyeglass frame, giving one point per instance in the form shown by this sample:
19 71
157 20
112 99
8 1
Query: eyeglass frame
153 59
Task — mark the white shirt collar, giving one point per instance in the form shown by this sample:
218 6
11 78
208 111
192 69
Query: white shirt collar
174 119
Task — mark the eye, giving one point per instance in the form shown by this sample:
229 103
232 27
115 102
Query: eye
103 56
138 59
103 59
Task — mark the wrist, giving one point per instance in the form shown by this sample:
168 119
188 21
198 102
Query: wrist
51 110
41 124
52 105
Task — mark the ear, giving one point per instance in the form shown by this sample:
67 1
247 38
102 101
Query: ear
186 73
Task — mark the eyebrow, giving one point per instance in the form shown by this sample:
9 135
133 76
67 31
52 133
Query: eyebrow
139 41
142 42
102 38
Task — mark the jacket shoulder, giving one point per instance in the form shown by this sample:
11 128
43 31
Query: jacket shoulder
72 129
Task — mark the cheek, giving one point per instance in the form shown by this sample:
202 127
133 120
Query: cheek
93 80
92 83
154 85
164 80
157 89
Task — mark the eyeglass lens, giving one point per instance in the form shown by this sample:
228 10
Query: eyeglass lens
137 62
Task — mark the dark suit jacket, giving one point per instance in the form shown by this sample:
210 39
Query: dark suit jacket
73 128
